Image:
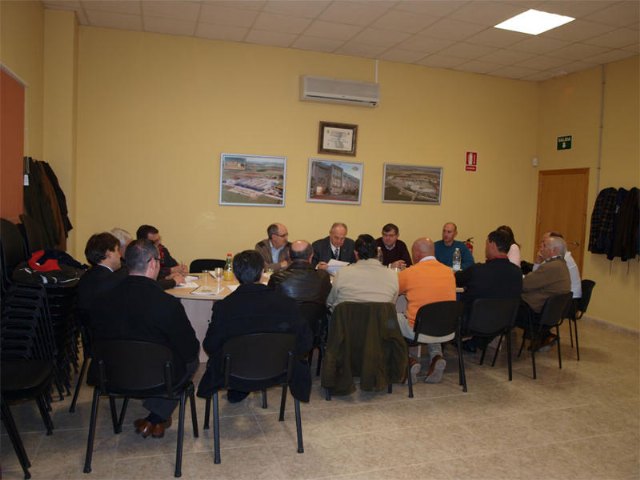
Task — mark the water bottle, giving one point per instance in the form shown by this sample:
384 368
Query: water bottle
379 255
228 269
457 260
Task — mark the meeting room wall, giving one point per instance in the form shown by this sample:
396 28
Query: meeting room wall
155 112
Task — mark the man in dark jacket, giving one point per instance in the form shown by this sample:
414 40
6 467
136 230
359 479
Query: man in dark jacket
254 308
138 309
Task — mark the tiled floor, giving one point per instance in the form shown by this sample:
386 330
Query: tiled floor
580 422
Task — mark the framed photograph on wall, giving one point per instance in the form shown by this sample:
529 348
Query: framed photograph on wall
255 180
334 181
412 184
337 138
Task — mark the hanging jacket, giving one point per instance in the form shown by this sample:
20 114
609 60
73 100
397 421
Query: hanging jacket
602 219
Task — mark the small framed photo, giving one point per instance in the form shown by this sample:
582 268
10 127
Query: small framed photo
252 180
412 184
337 138
333 181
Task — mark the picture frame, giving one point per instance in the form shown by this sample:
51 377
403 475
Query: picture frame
334 181
412 184
252 180
337 138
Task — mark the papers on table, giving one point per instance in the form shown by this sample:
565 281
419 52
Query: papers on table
187 285
205 290
334 265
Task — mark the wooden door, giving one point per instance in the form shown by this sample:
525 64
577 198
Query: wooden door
562 207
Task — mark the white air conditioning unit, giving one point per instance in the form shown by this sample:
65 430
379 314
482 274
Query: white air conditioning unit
349 92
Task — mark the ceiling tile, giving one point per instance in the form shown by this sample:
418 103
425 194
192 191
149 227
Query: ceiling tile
404 21
221 15
399 55
419 43
171 9
360 50
577 31
307 42
632 48
276 39
573 67
620 14
542 62
578 51
281 23
478 66
466 50
62 4
114 6
619 38
573 8
496 37
354 13
221 32
335 31
255 5
171 26
506 57
608 57
99 18
539 76
513 72
379 37
297 8
539 45
441 61
449 29
486 12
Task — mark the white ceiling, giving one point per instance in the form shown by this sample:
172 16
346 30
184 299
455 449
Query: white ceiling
453 34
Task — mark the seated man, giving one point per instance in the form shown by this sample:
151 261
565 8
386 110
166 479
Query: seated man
427 281
366 280
394 251
254 308
170 270
447 246
123 237
138 309
551 278
275 248
497 278
103 253
574 272
335 246
301 281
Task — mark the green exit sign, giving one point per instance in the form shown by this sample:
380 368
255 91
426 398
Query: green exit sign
564 143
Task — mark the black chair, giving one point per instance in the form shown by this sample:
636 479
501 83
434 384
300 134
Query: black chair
490 317
201 264
33 234
261 359
135 369
81 318
316 316
551 316
439 319
578 309
25 380
12 249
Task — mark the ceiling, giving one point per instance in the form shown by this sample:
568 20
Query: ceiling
452 34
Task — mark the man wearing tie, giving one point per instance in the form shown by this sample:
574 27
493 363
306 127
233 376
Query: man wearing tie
335 246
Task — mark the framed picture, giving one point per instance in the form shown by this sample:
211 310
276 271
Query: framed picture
255 180
412 184
333 181
337 138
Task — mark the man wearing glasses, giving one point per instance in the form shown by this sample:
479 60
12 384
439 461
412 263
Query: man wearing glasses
275 248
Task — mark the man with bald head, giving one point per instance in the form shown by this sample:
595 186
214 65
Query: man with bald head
444 248
426 281
275 248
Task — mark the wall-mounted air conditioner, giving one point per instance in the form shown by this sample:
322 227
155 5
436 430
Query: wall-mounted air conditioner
349 92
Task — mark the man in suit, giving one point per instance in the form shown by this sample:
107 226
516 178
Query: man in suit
254 308
336 246
103 253
497 278
427 281
170 269
138 309
275 248
394 251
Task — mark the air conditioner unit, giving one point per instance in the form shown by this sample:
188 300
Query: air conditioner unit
349 92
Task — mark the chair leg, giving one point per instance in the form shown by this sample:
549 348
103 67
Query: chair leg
207 413
194 414
283 402
319 364
495 354
461 373
558 343
178 472
83 371
484 351
264 398
571 331
509 366
92 430
409 381
216 429
44 413
575 324
114 413
16 441
296 404
123 411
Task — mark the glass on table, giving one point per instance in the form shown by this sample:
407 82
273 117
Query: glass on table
205 278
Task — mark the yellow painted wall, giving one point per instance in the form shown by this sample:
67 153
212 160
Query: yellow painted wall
571 106
21 50
155 112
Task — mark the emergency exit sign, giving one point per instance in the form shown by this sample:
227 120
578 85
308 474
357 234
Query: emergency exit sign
564 143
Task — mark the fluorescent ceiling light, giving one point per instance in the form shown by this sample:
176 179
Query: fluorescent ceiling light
534 22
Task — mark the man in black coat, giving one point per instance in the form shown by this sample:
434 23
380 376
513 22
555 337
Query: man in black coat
497 278
254 308
336 246
138 309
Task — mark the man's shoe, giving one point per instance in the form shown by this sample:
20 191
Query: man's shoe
436 370
158 429
469 346
546 344
143 426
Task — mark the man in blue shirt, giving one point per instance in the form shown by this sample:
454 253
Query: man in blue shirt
448 245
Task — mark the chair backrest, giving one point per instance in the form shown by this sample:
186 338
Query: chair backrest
583 303
132 365
201 264
13 248
314 313
34 235
258 357
438 319
554 309
493 315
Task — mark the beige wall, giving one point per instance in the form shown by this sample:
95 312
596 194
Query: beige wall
21 50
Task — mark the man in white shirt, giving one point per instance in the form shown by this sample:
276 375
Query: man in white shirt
574 273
